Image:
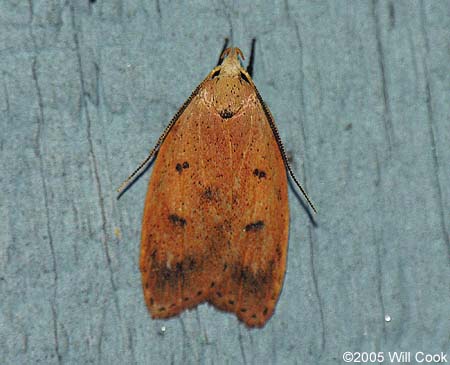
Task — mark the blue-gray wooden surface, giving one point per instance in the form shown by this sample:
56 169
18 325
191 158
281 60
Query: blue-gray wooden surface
360 93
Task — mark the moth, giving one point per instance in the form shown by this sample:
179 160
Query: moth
216 217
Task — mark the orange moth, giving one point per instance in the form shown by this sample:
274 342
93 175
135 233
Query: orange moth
216 217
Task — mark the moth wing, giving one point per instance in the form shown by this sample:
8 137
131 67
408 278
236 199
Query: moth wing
184 237
260 220
216 216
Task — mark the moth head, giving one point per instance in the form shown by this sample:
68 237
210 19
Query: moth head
232 53
231 65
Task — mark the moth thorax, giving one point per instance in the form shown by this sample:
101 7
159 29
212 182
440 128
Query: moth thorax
229 95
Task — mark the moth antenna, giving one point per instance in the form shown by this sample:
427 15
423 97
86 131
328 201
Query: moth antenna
225 45
252 58
283 152
155 149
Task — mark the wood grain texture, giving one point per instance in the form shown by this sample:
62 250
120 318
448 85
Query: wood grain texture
359 91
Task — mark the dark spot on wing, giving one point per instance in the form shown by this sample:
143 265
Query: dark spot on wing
191 264
226 114
259 173
279 196
171 277
278 252
207 194
252 227
179 167
177 221
257 283
211 194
